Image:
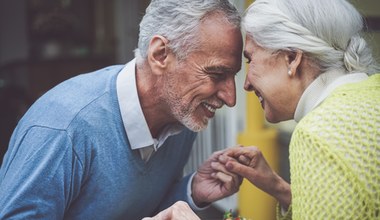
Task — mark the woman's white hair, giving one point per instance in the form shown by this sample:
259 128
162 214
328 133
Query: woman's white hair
328 31
178 21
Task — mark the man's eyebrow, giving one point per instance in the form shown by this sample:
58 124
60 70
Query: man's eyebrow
221 69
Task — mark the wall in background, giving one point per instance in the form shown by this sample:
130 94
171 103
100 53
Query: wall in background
370 9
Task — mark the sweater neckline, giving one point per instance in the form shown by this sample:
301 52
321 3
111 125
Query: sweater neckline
321 88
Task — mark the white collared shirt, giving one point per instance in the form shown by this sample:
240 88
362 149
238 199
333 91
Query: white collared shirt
321 88
135 125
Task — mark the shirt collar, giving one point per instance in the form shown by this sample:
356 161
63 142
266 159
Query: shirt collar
321 88
135 125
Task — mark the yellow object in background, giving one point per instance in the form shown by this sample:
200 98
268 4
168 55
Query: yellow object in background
253 203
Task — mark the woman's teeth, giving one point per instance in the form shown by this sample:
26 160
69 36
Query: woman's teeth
261 99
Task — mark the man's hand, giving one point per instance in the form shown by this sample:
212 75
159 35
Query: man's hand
250 163
179 211
213 181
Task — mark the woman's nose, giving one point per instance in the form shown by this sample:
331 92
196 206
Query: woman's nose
247 85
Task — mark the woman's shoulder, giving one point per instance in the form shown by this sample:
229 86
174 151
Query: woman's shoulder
351 112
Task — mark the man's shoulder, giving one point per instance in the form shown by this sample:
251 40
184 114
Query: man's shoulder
61 104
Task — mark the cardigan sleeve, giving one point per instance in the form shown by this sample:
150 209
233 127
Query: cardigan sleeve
283 216
325 184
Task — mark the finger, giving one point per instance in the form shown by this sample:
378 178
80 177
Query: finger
214 156
231 179
254 156
220 167
239 169
244 160
237 151
224 158
182 211
247 156
230 183
181 205
177 211
217 153
233 150
225 178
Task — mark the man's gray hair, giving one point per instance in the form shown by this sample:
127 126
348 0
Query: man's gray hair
178 21
328 31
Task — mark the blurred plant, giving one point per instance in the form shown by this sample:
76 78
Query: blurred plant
229 216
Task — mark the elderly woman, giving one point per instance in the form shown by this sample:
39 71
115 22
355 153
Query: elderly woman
309 62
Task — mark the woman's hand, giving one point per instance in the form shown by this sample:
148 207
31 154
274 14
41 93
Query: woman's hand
250 163
213 181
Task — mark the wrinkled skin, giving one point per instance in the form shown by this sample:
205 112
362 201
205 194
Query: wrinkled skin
250 163
213 181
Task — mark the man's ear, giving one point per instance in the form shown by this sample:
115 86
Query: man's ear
293 60
158 52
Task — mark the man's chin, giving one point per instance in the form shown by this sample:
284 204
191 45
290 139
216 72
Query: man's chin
197 127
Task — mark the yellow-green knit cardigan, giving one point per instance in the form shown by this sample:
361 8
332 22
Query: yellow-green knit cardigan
335 156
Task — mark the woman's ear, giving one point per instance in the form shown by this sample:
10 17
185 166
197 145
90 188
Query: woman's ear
293 60
158 54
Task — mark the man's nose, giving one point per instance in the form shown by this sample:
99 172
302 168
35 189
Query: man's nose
227 92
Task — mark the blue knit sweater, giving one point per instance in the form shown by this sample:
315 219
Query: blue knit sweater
69 158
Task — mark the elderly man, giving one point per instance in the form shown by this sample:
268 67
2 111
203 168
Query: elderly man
112 144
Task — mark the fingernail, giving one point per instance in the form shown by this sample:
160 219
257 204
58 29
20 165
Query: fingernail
229 166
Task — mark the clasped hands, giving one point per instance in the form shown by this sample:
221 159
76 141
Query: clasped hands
222 174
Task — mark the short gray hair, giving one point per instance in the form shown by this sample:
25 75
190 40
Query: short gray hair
178 21
328 31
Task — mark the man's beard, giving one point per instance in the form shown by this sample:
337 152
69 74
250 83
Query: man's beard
184 113
191 122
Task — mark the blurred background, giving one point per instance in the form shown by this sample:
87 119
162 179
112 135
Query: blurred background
43 42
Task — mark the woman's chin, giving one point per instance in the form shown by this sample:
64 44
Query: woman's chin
271 119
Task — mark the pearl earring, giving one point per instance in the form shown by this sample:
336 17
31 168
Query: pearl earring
289 72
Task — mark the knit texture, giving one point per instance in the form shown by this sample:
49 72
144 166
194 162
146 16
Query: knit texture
335 156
